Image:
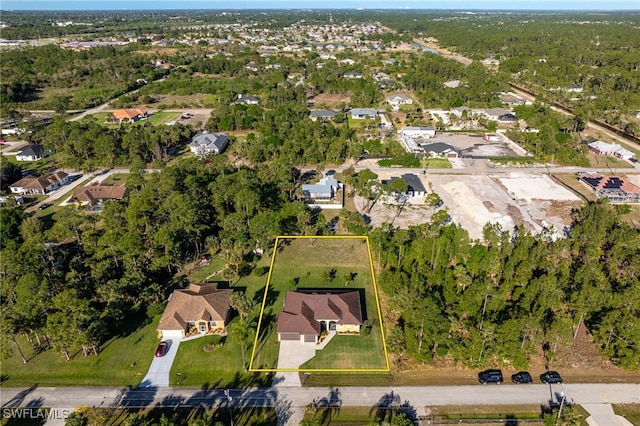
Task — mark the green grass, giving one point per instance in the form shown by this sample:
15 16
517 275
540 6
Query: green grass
303 264
222 367
157 118
436 163
357 124
116 179
630 411
350 352
123 361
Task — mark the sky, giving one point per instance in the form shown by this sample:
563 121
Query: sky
580 5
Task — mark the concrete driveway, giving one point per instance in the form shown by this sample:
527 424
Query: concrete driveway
291 356
158 374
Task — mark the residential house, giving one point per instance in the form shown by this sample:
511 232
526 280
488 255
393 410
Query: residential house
306 315
128 115
459 111
439 149
399 99
202 309
31 153
418 132
352 74
415 186
97 193
513 99
453 84
247 100
387 84
379 76
252 66
322 114
495 113
39 185
615 188
324 190
346 61
603 148
362 113
205 144
508 117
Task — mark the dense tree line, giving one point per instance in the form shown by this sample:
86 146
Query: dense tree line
123 262
514 295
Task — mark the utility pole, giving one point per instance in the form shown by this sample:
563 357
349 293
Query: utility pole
230 400
564 394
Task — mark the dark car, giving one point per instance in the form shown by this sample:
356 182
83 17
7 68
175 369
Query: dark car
162 348
490 376
44 206
521 377
551 377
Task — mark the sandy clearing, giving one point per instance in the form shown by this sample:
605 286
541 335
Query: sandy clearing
531 186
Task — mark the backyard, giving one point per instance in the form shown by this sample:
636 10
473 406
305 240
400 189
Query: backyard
322 263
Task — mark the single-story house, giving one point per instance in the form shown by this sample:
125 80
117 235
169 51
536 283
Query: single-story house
346 61
208 144
324 190
202 308
97 193
604 148
439 149
306 315
322 114
39 185
513 99
418 131
415 189
495 113
362 113
615 188
387 83
399 99
130 115
31 153
378 76
352 74
452 84
458 111
247 100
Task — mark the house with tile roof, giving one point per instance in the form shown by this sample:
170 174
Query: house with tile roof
604 148
129 115
97 193
322 114
307 314
200 309
615 188
39 185
399 99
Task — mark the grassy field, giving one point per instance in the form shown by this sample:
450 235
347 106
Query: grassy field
571 180
124 360
309 264
607 162
436 163
157 118
630 411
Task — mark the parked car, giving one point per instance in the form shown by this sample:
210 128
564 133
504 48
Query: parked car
551 377
490 376
162 348
44 206
521 377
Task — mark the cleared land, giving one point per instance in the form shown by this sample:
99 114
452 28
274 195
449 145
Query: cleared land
322 263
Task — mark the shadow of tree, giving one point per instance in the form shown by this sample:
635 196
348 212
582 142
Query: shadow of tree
386 407
31 414
19 398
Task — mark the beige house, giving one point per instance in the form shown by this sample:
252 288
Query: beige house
307 315
200 309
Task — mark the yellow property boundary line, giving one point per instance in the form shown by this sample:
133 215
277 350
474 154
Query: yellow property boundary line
264 302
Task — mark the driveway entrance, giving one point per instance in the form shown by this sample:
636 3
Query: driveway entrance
293 353
158 374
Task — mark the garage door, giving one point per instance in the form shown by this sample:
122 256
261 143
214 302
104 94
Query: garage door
309 338
172 335
289 336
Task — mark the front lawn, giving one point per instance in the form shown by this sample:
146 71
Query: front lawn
123 361
322 263
436 163
350 352
220 365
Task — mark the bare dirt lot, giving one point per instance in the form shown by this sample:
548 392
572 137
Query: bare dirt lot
530 199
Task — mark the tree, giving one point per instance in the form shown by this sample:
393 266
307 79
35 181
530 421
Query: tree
241 303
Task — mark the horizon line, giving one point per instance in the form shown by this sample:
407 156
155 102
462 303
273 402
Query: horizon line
360 9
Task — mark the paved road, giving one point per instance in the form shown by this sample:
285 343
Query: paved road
418 397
